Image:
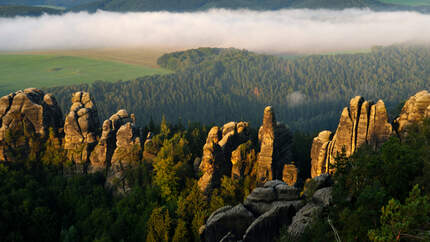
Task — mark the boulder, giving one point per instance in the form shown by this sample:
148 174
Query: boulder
266 227
234 220
323 196
28 113
304 218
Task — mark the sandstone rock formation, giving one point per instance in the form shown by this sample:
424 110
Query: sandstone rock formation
242 160
102 154
290 174
275 148
24 115
265 211
80 129
217 153
415 110
362 123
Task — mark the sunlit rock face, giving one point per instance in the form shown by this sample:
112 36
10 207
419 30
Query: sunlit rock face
415 110
25 116
275 148
363 122
222 156
80 129
102 154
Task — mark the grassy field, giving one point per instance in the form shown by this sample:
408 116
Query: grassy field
22 71
408 2
146 57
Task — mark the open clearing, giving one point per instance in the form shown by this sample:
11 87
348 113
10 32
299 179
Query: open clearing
408 2
22 71
146 57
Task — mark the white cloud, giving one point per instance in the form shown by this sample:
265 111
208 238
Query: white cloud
267 31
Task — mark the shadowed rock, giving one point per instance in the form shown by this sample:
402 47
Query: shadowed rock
218 159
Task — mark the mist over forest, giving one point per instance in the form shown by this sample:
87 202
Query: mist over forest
274 32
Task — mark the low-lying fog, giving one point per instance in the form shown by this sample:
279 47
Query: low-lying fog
283 31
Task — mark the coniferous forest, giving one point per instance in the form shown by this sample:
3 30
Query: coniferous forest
215 86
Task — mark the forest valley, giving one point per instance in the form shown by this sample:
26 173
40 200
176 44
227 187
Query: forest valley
128 178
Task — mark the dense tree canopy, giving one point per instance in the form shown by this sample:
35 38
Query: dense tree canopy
221 85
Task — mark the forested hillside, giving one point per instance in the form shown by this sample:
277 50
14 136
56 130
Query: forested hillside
220 85
12 11
195 5
63 3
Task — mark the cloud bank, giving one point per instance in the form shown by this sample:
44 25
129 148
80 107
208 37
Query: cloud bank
283 31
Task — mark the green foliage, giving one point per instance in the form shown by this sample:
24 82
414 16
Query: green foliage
159 225
404 221
172 165
13 11
370 179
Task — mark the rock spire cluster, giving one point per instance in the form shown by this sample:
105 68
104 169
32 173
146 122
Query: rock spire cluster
365 122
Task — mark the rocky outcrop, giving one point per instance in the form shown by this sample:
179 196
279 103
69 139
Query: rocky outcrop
26 115
362 123
103 152
275 148
217 153
81 129
265 211
233 220
127 153
242 160
290 174
415 110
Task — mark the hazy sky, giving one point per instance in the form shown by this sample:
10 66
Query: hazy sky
269 31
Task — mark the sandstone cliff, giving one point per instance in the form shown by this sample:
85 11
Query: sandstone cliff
217 154
365 123
275 148
362 123
26 115
415 110
81 130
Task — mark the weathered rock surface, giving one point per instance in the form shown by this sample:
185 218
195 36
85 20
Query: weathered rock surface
416 109
362 123
242 160
275 148
127 154
266 227
227 219
28 113
290 174
319 152
80 129
272 206
217 154
273 193
102 154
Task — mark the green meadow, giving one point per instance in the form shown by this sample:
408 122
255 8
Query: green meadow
22 71
408 2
